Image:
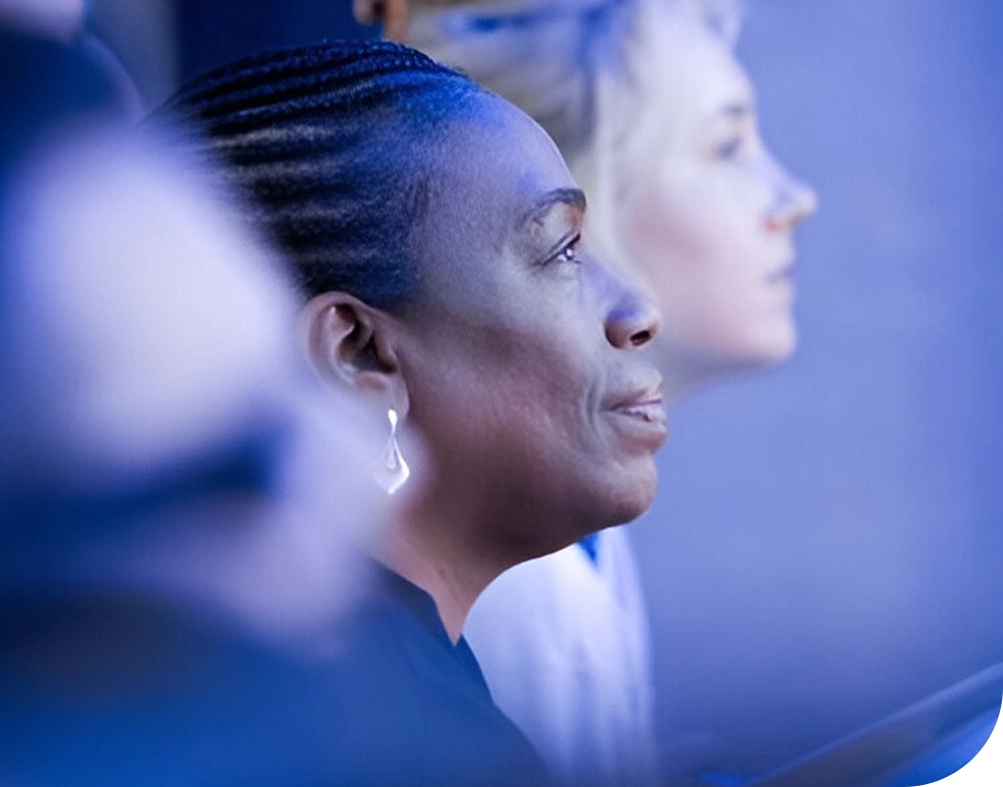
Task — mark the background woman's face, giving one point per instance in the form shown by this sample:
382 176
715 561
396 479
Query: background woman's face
521 354
705 212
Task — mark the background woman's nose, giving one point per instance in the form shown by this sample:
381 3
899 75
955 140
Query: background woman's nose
795 201
633 320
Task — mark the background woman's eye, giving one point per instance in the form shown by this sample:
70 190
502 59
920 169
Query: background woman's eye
730 149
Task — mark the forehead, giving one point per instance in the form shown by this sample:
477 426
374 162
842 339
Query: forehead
495 164
689 73
500 145
493 167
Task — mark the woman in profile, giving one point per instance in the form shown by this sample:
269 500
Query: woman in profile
434 230
656 119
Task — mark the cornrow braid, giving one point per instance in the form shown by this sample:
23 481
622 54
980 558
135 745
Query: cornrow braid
329 146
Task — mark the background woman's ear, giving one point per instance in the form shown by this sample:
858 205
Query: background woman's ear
351 342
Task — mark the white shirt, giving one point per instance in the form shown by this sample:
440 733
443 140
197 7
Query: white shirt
564 645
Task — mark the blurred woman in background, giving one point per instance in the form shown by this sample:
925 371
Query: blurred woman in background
657 121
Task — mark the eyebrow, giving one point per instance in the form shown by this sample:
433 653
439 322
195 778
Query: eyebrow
552 199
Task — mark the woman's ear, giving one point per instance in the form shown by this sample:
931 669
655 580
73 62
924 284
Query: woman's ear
351 342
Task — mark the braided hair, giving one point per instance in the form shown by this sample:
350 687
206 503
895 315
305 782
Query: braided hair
332 148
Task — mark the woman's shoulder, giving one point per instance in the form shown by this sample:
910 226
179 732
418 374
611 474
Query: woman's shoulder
414 701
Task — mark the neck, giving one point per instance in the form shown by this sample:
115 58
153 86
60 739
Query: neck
433 547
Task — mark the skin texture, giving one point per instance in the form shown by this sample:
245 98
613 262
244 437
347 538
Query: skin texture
703 212
518 361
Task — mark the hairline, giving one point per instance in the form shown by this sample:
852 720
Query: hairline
426 178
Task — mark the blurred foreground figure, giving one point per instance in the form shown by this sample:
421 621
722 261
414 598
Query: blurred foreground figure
434 230
172 567
656 119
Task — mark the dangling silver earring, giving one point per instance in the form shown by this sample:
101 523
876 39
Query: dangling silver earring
393 472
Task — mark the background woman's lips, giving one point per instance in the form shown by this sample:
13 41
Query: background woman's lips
782 273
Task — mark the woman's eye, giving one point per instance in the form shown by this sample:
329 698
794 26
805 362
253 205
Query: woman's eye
569 253
730 149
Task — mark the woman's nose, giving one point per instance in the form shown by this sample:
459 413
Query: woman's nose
794 202
632 320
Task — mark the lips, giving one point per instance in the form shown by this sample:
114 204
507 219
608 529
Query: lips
651 410
782 274
641 416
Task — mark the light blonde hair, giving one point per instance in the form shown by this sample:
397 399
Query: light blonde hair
547 55
575 66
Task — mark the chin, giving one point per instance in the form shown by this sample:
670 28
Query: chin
626 497
771 352
719 352
612 497
757 350
778 344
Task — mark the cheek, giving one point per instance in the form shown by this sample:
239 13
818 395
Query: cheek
703 247
494 383
695 228
515 413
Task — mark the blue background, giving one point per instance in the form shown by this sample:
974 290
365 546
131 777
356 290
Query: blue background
826 546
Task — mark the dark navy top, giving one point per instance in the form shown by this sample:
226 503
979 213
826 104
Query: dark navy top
418 708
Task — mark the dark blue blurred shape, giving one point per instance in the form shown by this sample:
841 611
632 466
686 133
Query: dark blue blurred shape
44 87
213 32
125 688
